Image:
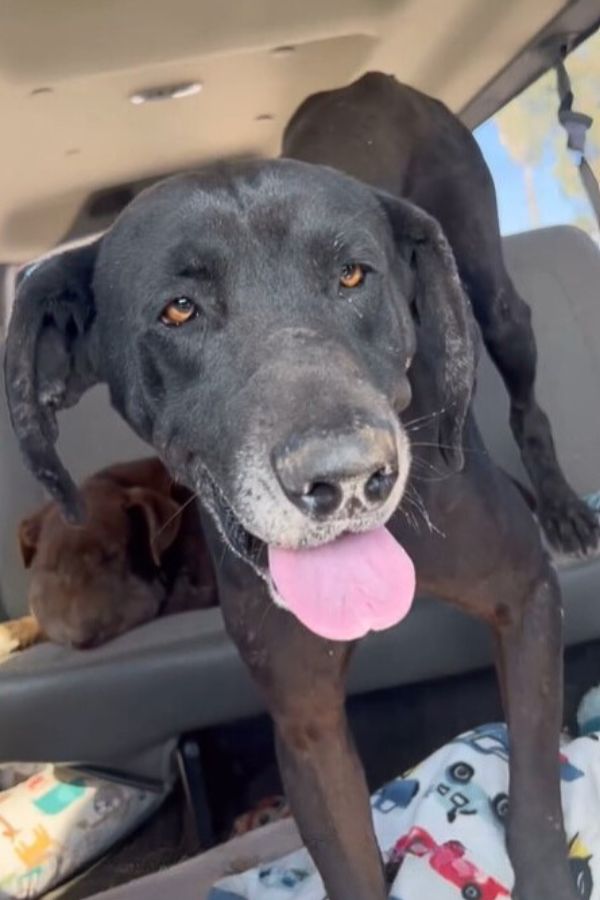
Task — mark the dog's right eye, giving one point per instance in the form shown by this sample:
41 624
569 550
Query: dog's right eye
352 275
178 312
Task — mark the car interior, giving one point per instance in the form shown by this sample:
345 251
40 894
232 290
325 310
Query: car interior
101 99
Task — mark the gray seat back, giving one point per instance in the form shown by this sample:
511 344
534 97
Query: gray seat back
557 271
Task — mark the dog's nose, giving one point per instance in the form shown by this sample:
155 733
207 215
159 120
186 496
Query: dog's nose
355 470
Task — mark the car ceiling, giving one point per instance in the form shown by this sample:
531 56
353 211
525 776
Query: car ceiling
69 67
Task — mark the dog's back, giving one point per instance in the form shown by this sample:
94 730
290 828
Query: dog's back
402 141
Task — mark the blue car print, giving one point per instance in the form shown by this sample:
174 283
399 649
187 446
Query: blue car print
275 876
397 794
492 740
461 796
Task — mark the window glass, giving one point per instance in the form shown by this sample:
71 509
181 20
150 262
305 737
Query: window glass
536 177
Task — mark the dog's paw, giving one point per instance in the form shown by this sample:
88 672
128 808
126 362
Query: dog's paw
570 525
8 642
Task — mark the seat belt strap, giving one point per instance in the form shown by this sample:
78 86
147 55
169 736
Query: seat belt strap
576 125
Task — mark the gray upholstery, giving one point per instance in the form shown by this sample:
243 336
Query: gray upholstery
557 270
181 673
18 494
193 879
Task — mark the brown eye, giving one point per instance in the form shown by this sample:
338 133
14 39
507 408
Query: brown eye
178 312
352 275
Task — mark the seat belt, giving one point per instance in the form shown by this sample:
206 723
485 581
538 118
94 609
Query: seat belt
576 124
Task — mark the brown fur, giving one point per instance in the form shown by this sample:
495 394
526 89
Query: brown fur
140 553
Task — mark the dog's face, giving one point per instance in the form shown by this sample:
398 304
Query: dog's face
97 580
259 334
256 324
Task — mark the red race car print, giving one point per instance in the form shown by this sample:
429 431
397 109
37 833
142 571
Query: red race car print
448 860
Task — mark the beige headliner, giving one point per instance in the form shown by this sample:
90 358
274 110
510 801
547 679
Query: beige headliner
67 68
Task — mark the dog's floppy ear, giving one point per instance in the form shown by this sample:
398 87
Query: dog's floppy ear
29 535
49 361
161 515
447 335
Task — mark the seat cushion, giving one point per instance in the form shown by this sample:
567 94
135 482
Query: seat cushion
182 673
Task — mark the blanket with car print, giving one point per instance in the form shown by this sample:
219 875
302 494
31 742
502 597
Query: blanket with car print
441 826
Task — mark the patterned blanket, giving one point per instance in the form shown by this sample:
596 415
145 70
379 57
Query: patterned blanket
441 827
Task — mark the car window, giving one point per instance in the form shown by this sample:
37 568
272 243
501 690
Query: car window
536 177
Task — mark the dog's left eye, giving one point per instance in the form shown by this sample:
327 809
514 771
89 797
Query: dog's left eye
178 312
352 275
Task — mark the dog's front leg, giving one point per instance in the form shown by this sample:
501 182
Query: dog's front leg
302 678
326 787
530 668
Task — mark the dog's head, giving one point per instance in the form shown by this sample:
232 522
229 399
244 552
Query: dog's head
94 581
256 324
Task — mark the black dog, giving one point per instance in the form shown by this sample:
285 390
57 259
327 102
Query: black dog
264 326
403 142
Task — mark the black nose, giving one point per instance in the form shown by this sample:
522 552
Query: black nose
354 470
321 498
379 486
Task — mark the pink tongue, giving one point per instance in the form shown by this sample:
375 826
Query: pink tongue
342 590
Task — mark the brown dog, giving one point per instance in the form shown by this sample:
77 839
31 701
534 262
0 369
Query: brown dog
140 553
